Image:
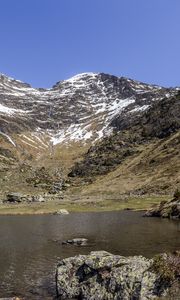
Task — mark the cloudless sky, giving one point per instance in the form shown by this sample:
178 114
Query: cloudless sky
44 41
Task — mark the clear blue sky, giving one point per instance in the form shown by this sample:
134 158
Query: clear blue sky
44 41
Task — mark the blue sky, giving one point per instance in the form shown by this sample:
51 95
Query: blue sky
44 41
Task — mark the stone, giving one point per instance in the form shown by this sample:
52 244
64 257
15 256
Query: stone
15 197
38 198
104 276
18 197
62 212
76 241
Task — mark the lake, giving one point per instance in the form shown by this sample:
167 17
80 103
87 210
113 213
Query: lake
31 246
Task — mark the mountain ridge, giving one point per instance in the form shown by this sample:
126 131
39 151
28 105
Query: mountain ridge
38 126
71 102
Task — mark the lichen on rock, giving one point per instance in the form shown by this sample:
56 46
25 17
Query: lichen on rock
103 276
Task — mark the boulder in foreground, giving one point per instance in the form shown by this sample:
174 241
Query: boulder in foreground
103 276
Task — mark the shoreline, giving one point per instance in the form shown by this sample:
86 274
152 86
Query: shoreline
87 205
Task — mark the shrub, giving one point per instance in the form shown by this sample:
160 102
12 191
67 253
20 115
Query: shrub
167 266
177 194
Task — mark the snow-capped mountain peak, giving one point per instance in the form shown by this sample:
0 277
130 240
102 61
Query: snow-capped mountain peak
81 108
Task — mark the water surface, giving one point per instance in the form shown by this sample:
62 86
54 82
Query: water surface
29 251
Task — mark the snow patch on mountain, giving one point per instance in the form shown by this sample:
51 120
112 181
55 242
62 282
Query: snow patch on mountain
81 76
118 105
140 108
8 138
80 108
10 111
75 132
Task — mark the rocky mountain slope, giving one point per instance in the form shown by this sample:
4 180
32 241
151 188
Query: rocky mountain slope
79 108
151 141
160 121
52 128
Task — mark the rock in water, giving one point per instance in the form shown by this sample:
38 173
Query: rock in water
76 241
103 276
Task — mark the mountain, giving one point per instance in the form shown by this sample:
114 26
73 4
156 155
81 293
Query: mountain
53 128
142 155
80 108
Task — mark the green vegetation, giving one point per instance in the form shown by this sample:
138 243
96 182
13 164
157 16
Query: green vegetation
87 205
167 266
177 194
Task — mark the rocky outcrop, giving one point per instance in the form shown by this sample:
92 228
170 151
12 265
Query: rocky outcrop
18 198
15 197
160 120
166 209
51 181
105 156
103 276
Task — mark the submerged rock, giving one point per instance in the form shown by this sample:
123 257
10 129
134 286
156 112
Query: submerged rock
103 276
76 241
